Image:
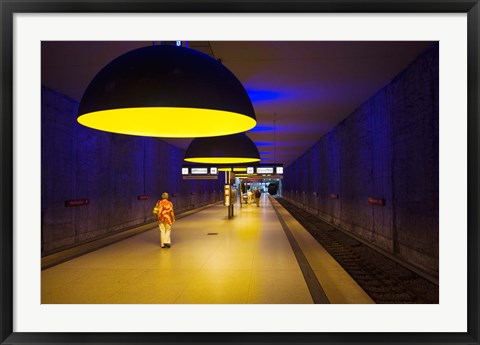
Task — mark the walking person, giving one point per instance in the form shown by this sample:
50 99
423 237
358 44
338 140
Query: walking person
166 217
257 196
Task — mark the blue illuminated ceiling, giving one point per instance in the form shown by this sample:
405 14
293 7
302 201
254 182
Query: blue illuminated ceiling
300 90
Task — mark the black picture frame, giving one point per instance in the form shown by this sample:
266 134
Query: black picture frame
9 7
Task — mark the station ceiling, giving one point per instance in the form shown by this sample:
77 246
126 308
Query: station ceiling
299 89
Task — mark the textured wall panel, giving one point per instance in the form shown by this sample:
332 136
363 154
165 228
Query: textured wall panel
111 170
388 149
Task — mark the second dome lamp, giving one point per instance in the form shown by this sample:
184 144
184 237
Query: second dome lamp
166 91
228 149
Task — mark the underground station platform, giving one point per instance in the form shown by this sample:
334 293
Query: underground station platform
260 255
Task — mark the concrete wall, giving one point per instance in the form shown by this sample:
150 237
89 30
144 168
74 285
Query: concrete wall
388 148
111 170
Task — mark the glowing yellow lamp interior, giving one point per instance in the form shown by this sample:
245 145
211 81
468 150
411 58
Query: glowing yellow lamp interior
168 122
221 160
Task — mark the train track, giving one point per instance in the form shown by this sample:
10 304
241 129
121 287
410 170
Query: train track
383 279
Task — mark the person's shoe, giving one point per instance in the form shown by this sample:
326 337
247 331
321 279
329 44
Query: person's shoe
163 246
167 245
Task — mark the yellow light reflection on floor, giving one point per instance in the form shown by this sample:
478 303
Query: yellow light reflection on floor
250 260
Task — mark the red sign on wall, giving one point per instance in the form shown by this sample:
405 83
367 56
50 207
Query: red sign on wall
77 202
376 201
143 197
252 179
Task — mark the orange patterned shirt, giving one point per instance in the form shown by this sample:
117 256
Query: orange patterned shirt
165 211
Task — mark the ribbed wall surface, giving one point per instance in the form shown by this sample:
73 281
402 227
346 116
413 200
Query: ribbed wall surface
111 170
387 149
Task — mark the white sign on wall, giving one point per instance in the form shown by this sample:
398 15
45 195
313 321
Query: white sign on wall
199 171
264 170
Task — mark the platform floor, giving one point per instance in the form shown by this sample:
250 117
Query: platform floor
250 258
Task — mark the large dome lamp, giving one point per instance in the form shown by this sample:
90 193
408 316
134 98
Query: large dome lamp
166 91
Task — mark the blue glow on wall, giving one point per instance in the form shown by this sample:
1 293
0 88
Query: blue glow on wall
264 143
262 95
261 129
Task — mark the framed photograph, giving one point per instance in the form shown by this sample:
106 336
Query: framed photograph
25 25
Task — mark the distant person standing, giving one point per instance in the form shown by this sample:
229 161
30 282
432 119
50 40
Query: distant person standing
166 217
257 196
249 196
